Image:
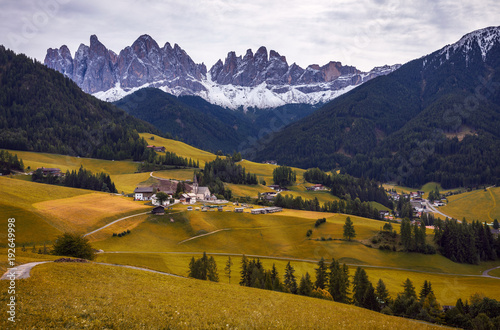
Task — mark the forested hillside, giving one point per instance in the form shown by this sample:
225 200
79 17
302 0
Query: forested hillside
210 127
436 118
41 110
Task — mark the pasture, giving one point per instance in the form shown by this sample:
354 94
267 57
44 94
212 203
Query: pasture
99 296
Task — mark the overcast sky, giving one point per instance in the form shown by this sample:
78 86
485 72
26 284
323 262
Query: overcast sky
363 33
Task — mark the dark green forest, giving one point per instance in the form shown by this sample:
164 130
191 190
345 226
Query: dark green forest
197 122
406 127
83 179
41 110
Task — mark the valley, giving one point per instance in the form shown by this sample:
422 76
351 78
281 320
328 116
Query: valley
306 194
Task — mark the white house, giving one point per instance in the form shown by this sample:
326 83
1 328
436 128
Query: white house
143 193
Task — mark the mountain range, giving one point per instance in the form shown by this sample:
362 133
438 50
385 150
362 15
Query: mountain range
436 118
260 80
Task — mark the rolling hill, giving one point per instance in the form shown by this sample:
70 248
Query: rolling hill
437 118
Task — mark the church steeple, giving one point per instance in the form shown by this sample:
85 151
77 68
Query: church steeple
195 184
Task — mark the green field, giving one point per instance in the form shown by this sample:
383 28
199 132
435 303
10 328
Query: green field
483 205
180 148
99 296
44 211
447 288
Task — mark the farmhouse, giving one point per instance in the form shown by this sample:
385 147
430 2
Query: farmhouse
157 149
159 210
316 187
143 193
50 170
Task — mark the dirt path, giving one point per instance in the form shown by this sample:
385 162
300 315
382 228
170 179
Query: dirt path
210 233
21 271
485 273
113 222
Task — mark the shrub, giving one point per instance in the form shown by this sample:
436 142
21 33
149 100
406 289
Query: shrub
309 233
73 245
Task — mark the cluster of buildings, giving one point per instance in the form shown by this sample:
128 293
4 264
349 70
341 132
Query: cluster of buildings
194 193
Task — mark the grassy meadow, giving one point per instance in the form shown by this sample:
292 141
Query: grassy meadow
447 288
99 296
43 211
483 205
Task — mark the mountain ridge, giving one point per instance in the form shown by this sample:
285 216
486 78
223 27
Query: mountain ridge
261 80
404 127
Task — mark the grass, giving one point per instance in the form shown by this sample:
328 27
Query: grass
475 205
276 235
36 159
495 272
43 212
98 296
180 148
87 212
447 288
176 174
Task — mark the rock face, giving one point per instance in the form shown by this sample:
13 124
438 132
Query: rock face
254 80
97 69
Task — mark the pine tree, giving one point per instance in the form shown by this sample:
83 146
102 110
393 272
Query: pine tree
321 274
426 289
227 269
382 294
349 232
289 279
360 284
212 273
406 235
409 289
306 285
370 298
245 278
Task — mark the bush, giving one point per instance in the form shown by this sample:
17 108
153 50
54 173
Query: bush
309 233
73 245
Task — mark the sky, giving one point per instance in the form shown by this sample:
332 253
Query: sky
362 33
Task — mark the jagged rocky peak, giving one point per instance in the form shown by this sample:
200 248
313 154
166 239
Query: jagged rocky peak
254 79
98 69
60 60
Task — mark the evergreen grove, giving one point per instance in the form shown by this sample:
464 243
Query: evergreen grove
83 179
334 282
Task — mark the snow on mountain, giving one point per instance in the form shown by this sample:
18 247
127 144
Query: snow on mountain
260 80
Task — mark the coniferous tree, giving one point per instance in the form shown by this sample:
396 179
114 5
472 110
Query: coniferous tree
349 232
360 284
409 289
382 294
289 279
321 274
227 269
306 285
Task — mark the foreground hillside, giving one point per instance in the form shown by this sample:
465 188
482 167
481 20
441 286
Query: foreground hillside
80 296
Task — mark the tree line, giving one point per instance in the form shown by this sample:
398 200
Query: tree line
466 242
348 187
167 161
353 207
10 163
334 282
221 170
83 179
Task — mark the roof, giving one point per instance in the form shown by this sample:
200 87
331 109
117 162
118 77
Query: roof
143 190
203 190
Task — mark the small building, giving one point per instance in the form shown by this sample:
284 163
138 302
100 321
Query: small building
203 193
143 193
270 162
159 210
50 171
275 187
157 149
238 209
